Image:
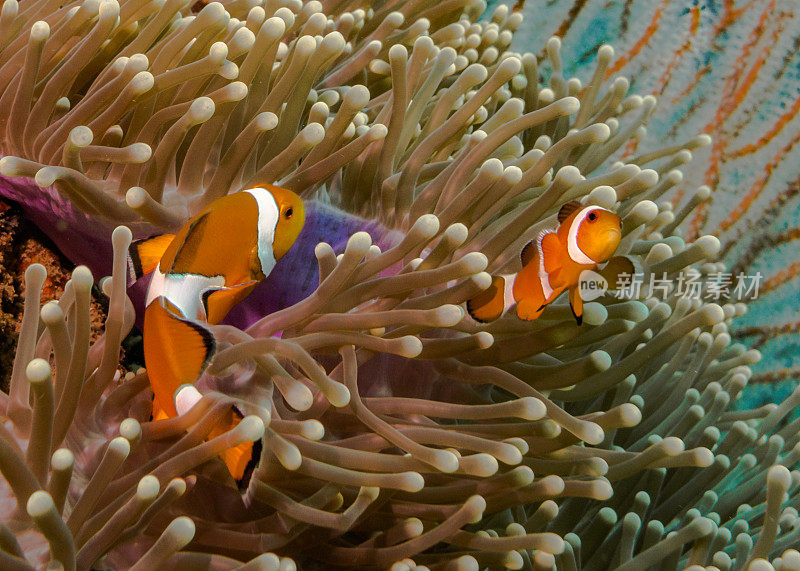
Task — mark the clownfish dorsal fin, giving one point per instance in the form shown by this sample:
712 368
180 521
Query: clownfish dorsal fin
551 251
144 255
187 245
567 209
219 301
528 252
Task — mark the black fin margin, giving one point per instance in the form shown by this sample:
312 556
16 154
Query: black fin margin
252 463
578 318
472 315
205 333
134 263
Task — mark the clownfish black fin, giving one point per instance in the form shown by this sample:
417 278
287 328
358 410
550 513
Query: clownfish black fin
567 209
528 252
490 303
144 255
551 252
576 304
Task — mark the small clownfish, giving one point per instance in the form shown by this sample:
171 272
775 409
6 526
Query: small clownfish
212 263
553 262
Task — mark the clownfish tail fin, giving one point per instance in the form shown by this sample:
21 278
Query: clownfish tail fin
144 255
491 303
240 460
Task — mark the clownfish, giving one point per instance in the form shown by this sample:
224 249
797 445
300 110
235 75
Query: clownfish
586 236
212 263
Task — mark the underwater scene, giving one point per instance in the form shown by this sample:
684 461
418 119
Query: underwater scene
342 284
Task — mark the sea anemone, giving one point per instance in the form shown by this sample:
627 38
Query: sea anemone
394 430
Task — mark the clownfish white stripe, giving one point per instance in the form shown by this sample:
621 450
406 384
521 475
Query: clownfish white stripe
185 398
508 291
156 286
185 291
547 290
268 215
573 249
544 279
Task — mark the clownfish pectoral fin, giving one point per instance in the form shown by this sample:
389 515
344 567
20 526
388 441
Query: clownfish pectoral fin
144 255
616 267
219 301
576 304
176 351
490 304
529 308
551 252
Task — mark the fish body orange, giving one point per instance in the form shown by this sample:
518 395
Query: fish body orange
552 263
212 263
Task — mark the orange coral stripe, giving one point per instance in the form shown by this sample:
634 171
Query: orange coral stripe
730 14
741 93
626 58
726 106
765 331
687 44
781 278
751 196
771 376
769 135
788 235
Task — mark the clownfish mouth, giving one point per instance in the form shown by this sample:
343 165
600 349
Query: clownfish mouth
613 235
611 238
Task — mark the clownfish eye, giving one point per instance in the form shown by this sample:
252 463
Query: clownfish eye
592 217
289 212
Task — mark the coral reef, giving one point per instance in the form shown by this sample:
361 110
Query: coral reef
395 432
22 244
730 70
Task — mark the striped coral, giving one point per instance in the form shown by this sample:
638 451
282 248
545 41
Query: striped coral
728 69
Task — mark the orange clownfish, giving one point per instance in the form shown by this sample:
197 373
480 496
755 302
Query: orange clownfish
553 262
212 263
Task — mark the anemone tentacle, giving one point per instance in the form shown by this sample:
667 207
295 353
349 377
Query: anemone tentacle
395 431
